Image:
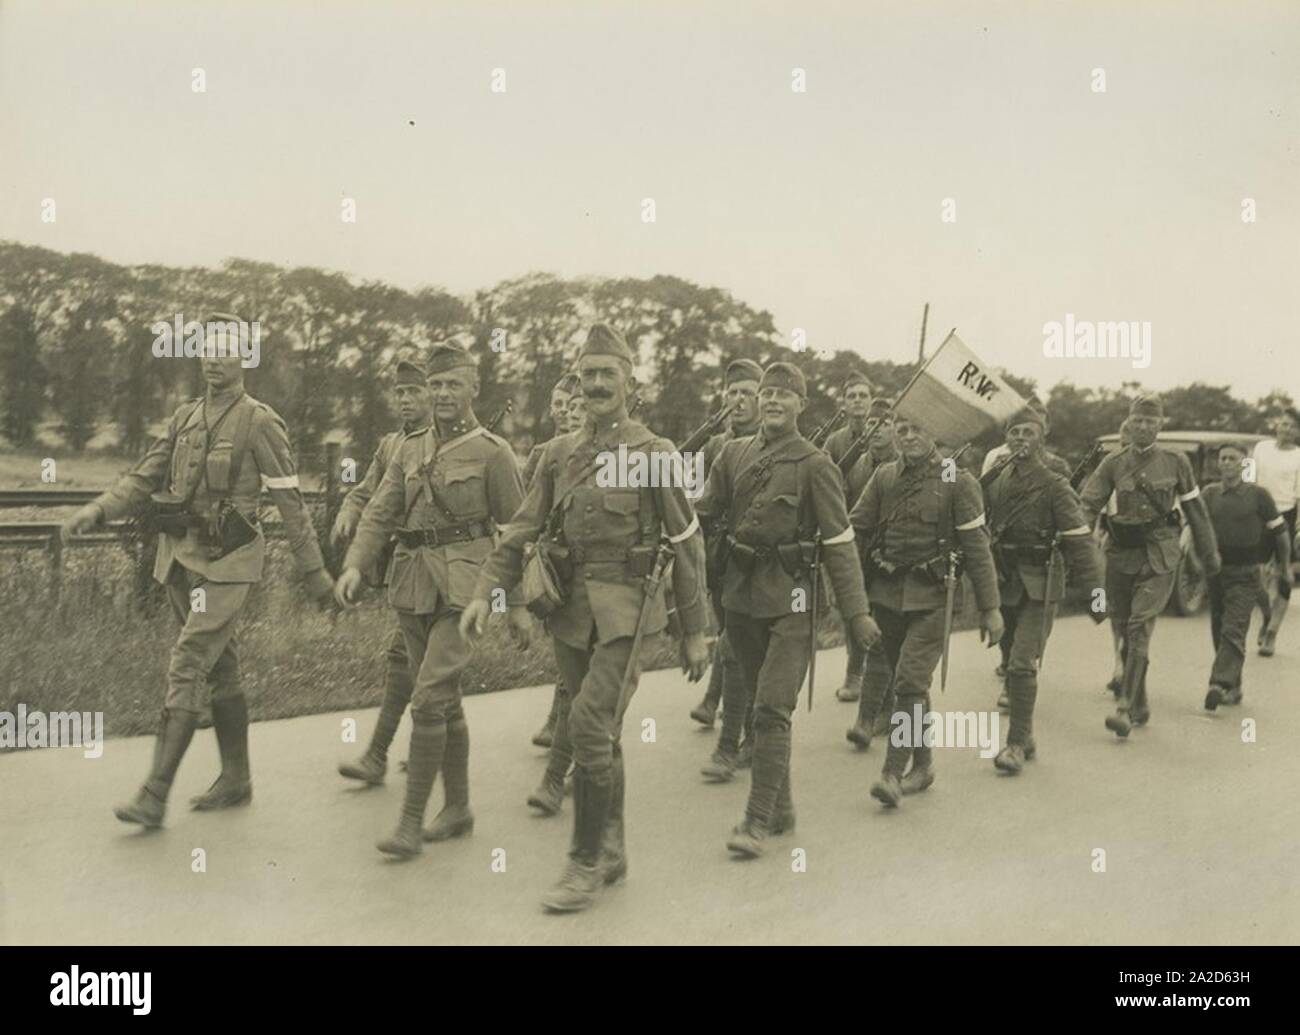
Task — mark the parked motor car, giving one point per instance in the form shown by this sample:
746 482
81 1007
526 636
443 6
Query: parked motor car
1202 449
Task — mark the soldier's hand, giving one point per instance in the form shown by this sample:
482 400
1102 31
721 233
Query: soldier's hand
991 626
473 620
695 656
345 525
348 586
521 627
82 520
864 630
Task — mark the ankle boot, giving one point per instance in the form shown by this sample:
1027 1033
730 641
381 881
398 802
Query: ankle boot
150 803
235 785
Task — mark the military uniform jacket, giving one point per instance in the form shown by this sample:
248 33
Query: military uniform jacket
839 442
476 476
1168 477
1052 461
604 595
713 447
355 501
774 493
176 461
530 465
1031 505
899 512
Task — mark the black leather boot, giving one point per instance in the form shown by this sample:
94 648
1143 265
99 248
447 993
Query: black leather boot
235 784
150 803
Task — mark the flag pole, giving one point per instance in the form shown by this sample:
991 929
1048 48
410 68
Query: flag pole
920 370
920 349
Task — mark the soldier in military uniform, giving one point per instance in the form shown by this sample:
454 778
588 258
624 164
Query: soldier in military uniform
411 396
565 389
444 495
1249 530
608 540
778 503
1055 464
910 519
204 478
876 700
735 742
1039 533
856 394
1143 551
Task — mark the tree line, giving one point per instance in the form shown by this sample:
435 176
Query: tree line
76 349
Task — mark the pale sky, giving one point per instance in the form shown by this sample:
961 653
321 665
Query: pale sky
822 207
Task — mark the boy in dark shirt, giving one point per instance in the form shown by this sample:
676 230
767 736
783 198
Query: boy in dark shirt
1248 528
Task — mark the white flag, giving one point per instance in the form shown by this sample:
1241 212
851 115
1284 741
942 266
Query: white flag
956 396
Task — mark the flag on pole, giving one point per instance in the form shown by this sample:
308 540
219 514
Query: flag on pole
955 396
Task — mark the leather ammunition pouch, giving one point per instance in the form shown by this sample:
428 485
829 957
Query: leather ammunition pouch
170 514
1010 555
794 558
935 569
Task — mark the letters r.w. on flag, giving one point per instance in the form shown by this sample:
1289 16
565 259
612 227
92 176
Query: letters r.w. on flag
955 396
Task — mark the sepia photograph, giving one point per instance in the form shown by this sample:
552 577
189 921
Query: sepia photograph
596 474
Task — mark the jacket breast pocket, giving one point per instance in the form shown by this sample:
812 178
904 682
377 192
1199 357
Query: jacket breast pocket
622 507
927 509
464 490
784 514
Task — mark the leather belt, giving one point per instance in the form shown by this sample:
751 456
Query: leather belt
413 537
598 555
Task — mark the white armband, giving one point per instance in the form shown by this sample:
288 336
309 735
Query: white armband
687 532
289 481
975 523
1191 495
844 537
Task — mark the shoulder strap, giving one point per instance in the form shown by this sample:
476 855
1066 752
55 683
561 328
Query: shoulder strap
240 437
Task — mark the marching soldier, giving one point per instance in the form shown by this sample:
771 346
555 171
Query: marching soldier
444 495
1002 455
565 389
1035 522
204 477
779 500
876 701
411 395
913 523
856 394
605 545
735 740
1143 549
1248 529
1052 461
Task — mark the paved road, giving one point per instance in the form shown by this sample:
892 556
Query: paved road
1199 829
